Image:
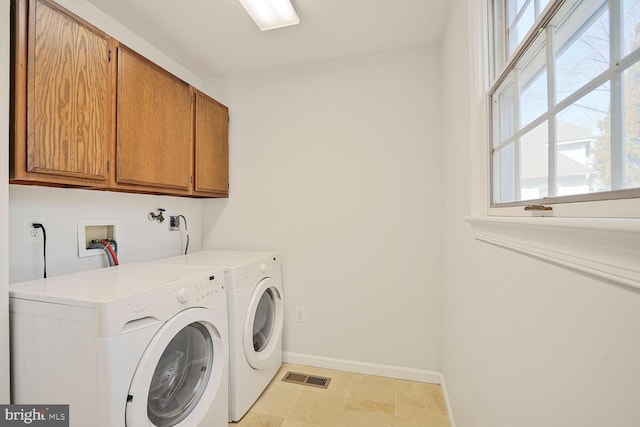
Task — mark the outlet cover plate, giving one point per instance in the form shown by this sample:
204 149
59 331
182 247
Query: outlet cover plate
27 228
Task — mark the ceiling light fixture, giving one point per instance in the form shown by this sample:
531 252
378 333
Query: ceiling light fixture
271 14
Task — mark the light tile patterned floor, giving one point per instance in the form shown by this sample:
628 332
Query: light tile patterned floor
352 400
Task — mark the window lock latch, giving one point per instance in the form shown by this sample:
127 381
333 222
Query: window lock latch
538 208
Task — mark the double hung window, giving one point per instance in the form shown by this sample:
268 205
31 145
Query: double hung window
565 102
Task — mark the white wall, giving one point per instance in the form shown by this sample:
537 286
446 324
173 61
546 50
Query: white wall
61 209
337 166
525 343
4 197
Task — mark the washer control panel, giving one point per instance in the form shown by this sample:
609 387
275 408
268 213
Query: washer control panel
199 290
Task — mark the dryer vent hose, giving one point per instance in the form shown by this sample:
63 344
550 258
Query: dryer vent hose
108 248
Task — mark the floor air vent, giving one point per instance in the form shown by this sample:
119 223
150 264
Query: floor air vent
303 379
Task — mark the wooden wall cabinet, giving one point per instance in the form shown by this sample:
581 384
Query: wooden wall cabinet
154 145
84 116
211 134
62 98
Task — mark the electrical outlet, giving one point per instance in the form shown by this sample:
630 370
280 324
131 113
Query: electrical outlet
174 223
33 235
301 314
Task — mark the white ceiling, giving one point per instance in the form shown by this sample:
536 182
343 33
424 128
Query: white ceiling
214 37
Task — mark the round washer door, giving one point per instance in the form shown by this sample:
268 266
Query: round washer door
263 324
179 374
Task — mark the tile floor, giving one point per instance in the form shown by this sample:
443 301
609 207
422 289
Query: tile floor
351 400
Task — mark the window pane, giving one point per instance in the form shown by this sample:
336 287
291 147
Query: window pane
631 16
533 99
534 163
519 28
582 49
514 7
520 19
504 173
511 22
583 150
631 106
506 100
533 84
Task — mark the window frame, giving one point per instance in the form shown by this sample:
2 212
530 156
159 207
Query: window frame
501 69
599 239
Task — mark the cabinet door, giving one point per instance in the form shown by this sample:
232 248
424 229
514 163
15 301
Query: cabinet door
68 109
212 146
154 133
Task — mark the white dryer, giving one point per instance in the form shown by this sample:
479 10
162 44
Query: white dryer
142 345
256 315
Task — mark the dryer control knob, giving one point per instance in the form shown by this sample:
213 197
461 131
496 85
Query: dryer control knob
263 268
183 294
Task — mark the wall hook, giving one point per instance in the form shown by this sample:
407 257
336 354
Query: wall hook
158 217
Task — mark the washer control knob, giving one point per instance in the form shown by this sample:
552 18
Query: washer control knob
183 294
263 268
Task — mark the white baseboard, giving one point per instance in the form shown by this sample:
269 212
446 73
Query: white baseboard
445 393
391 371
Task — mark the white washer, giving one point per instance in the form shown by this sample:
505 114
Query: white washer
256 315
143 345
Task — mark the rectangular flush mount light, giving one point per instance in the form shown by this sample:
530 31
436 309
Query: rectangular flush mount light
271 14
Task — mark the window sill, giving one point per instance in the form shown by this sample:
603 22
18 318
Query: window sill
608 248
